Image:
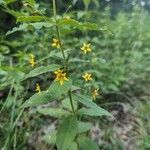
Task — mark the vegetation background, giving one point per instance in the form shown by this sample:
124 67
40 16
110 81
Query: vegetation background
120 62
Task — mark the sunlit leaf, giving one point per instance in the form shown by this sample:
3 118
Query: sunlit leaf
41 70
30 18
57 90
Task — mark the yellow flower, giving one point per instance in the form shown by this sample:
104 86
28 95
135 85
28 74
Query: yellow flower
95 93
87 76
56 43
37 88
60 76
86 48
32 60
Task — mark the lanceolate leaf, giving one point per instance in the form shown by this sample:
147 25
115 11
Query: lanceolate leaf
87 101
53 112
41 70
30 18
16 14
57 90
38 99
89 112
78 25
36 25
20 28
66 133
87 144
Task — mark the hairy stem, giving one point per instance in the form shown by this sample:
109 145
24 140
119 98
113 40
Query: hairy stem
63 53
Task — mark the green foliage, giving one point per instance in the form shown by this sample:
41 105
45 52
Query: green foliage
66 133
86 143
41 70
55 91
87 101
53 112
30 18
84 126
36 25
118 62
78 25
38 99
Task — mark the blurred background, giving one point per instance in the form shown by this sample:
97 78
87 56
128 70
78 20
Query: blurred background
120 62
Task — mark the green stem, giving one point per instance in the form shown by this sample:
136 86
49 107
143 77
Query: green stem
71 102
63 53
58 35
54 8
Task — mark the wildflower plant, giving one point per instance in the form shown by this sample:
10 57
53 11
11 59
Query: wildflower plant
70 133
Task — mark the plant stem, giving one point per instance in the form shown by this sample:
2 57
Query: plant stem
71 101
54 8
61 47
63 53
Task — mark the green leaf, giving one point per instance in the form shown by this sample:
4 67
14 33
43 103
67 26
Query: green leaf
84 126
36 25
41 70
77 60
30 18
87 101
87 144
10 1
73 146
2 2
53 112
16 14
39 25
89 112
66 133
77 24
90 26
38 99
66 104
57 90
31 2
20 28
